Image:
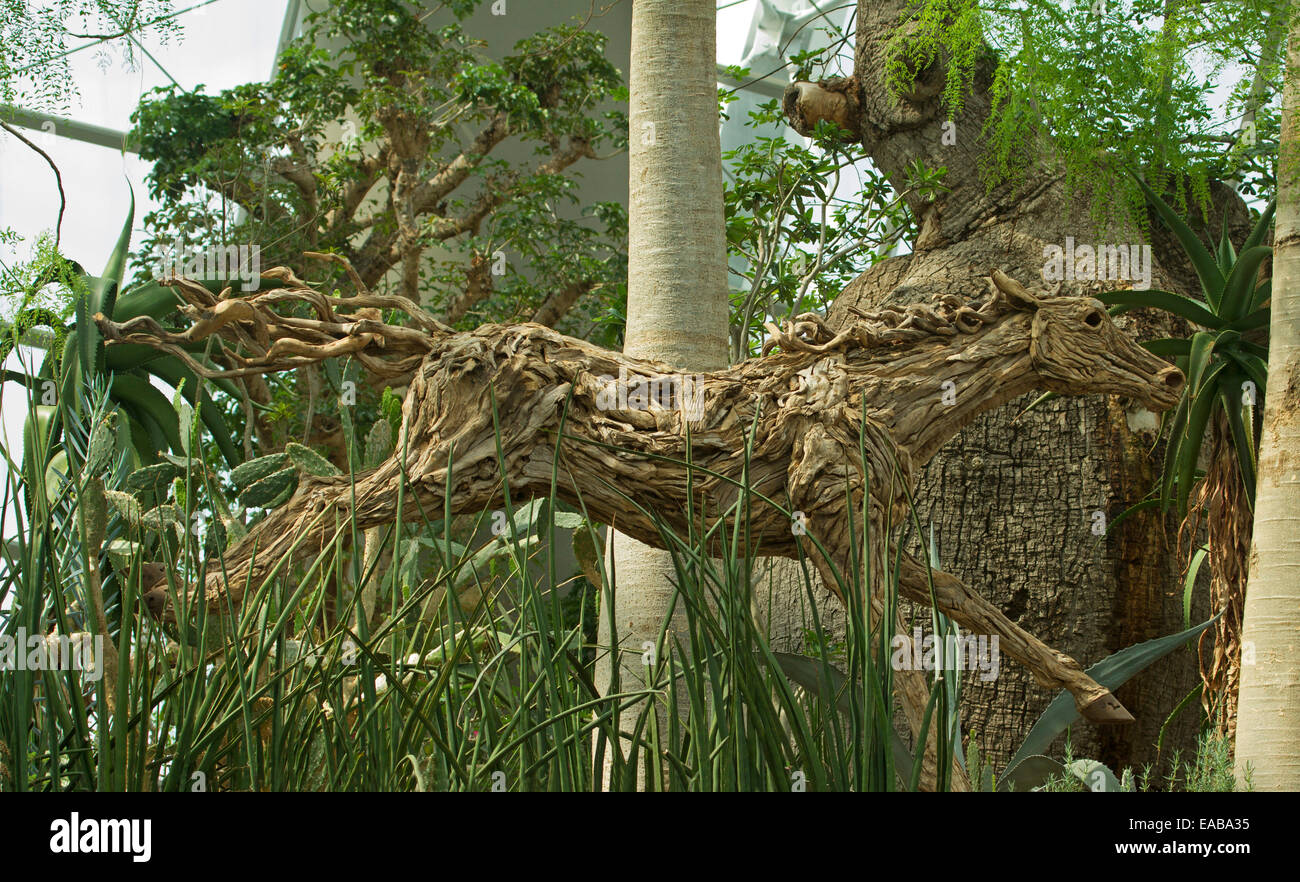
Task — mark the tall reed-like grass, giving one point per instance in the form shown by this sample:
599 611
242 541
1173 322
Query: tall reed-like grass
479 675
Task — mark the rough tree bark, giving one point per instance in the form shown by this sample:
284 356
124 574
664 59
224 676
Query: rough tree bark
1013 499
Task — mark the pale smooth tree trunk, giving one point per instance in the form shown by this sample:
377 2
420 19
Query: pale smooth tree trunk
1268 708
677 309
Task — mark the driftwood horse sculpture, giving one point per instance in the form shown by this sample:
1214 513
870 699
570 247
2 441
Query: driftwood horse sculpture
896 384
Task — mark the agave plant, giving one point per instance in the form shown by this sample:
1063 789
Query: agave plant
1225 365
79 355
1225 361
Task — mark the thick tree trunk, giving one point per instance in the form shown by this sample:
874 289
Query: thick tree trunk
1268 710
1014 500
676 231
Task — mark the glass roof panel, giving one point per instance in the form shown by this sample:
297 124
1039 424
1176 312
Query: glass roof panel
223 44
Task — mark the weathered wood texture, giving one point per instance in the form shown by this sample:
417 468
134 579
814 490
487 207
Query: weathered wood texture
796 427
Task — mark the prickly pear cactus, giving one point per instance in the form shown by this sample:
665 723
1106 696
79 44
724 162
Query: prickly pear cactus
102 443
249 473
271 490
154 478
310 462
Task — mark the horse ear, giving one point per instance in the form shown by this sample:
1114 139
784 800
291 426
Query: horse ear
1015 293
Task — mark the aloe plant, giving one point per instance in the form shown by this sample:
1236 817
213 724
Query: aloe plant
1225 361
153 423
1225 369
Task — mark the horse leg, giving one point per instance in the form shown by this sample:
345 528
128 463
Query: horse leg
1051 668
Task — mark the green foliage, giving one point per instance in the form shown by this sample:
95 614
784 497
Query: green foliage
77 358
39 298
297 163
35 38
1210 770
1030 768
1225 361
287 695
793 241
1109 85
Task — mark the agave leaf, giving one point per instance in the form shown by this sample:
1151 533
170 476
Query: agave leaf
1170 468
151 299
1241 442
1206 269
1096 776
1112 672
172 371
1198 417
1227 254
1189 582
1202 347
140 396
1255 369
56 472
1260 231
1258 319
1024 774
1131 510
1168 346
1179 305
1239 289
104 292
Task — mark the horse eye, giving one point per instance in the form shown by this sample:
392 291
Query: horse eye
1092 319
